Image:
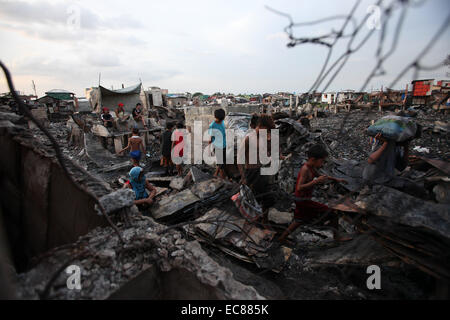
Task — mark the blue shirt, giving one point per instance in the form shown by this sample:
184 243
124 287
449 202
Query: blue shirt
217 132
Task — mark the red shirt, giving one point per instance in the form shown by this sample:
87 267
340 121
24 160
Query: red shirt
305 193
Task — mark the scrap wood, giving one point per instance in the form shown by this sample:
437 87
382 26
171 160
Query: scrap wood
441 165
409 237
426 264
391 237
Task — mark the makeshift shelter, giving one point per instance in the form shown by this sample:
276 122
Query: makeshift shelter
129 96
58 102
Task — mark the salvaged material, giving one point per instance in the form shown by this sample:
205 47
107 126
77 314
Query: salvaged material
173 204
406 235
237 237
415 230
402 208
362 250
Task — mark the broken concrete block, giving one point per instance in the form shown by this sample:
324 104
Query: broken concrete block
207 188
117 200
177 183
280 217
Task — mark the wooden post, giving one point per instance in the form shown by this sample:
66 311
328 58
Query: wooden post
290 106
380 107
404 99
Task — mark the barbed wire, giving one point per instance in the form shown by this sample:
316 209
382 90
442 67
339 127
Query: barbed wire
332 68
332 39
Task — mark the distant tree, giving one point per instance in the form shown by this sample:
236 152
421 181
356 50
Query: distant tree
197 94
447 61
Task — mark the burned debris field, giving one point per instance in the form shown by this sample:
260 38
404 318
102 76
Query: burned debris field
195 236
129 173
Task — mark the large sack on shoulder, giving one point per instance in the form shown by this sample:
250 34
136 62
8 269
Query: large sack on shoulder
394 128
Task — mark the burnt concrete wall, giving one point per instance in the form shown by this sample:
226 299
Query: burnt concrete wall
41 207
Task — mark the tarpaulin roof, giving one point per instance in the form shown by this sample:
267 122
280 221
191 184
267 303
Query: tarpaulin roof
128 90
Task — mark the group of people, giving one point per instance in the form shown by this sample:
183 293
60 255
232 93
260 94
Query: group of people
121 116
386 156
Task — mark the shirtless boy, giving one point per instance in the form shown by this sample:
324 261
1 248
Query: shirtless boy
136 146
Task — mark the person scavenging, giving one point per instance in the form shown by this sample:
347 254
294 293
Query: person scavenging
254 121
136 146
218 140
166 149
262 186
178 146
140 186
386 157
306 210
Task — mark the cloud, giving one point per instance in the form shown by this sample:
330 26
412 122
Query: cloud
278 36
82 70
43 12
102 59
60 21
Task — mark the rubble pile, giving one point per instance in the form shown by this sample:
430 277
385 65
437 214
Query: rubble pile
345 133
149 252
194 236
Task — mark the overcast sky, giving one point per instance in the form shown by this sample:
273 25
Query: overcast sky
207 46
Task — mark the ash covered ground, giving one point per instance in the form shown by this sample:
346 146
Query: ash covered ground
317 267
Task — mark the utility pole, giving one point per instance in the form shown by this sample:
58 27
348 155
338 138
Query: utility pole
99 93
34 87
